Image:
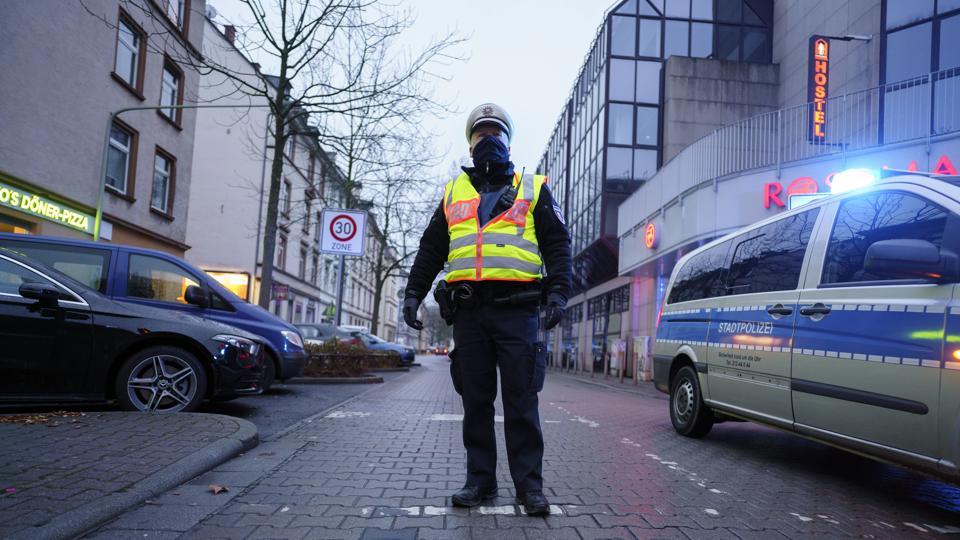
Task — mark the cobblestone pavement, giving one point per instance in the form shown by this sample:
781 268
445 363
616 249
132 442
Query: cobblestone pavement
384 464
49 468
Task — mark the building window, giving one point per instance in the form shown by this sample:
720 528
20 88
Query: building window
302 270
307 215
285 188
130 53
121 159
282 251
315 269
171 92
317 228
176 10
161 194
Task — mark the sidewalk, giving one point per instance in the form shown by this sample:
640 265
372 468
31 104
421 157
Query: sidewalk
646 389
64 473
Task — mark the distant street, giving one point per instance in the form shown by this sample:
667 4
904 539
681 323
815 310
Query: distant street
384 464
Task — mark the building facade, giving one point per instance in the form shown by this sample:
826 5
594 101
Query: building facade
229 204
882 90
117 55
623 119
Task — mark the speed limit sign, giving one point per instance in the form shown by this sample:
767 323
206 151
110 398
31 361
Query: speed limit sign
343 232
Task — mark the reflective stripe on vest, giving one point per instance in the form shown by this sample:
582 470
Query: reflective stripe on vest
506 247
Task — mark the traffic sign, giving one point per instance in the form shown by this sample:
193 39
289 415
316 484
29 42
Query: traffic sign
343 232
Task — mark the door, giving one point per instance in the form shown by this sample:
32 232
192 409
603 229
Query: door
867 350
46 350
752 325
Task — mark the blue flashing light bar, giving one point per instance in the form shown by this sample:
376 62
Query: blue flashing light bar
852 179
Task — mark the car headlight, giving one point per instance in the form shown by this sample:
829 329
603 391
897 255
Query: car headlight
243 344
292 337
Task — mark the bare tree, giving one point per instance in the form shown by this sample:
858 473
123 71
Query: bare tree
328 58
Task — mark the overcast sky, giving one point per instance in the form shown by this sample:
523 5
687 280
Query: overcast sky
521 54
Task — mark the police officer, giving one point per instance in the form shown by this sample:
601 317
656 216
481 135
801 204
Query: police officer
496 228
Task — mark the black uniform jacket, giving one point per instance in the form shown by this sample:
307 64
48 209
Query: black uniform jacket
551 231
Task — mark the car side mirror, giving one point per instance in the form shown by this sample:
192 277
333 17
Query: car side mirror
912 259
46 294
197 296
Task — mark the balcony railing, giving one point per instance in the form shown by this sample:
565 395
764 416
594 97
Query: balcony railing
923 107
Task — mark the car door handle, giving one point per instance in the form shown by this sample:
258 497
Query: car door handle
816 309
780 310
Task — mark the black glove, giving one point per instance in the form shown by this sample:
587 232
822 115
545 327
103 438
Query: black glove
410 307
554 313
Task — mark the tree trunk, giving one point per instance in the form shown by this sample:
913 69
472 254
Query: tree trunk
379 278
273 200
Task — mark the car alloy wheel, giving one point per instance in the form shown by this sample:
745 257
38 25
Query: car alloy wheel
161 380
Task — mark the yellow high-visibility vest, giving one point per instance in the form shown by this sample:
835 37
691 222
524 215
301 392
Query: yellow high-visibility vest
506 248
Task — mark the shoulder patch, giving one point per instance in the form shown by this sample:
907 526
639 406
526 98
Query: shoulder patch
559 213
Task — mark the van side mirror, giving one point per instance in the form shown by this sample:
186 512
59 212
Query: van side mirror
912 259
46 294
197 296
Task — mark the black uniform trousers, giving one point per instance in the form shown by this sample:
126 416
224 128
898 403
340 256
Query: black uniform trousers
485 337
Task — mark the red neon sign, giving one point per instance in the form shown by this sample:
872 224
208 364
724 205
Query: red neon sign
817 81
775 195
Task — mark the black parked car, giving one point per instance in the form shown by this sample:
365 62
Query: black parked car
64 342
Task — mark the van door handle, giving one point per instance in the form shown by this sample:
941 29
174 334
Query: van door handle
814 310
780 310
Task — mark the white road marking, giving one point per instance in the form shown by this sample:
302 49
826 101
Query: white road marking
285 509
437 510
347 414
804 519
586 421
366 510
946 529
711 512
496 510
457 418
551 421
554 510
915 526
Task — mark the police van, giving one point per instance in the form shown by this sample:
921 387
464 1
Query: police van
838 320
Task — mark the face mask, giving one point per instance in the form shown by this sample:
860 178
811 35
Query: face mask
490 150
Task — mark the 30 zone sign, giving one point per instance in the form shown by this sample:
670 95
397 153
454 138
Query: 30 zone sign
343 232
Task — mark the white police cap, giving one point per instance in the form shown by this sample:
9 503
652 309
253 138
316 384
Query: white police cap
490 113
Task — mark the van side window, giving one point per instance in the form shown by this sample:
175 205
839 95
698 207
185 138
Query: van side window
699 277
86 265
770 258
152 278
861 221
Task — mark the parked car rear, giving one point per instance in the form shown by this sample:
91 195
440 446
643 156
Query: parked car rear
320 332
407 354
65 342
153 278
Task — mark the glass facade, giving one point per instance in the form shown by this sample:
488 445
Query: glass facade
608 139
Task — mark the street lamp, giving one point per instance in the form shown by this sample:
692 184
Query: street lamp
106 147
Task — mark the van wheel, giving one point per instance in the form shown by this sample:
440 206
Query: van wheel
690 417
161 379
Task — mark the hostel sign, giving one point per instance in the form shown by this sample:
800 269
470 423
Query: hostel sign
30 203
817 80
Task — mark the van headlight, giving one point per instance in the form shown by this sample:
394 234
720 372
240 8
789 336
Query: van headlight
293 338
243 344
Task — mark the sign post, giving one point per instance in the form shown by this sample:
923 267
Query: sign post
343 233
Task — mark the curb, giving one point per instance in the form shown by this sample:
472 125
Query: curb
84 518
369 379
390 370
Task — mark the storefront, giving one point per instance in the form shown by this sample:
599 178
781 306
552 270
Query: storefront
29 210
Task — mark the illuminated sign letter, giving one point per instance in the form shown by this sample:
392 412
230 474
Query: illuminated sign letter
771 194
818 80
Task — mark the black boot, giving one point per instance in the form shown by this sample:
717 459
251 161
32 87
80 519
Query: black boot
534 503
471 496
